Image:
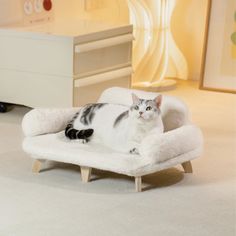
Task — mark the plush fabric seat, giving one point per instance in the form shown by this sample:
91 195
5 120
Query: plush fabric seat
179 144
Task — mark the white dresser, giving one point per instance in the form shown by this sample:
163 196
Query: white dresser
63 63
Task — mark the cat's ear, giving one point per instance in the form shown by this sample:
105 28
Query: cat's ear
158 100
135 98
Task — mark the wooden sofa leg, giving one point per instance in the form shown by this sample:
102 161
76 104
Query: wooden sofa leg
36 166
187 167
85 173
138 184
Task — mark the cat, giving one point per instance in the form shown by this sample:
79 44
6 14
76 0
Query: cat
117 126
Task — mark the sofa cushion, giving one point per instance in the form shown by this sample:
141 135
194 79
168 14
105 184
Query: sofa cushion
170 148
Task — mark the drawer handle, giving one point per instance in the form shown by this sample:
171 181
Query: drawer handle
98 78
85 47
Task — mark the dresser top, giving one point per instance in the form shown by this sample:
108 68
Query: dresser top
67 28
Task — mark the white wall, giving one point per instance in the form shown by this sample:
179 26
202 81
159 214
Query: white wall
10 12
188 28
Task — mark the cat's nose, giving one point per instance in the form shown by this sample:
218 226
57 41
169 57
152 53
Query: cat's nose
140 113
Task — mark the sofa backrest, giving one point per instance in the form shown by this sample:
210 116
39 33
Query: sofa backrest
174 112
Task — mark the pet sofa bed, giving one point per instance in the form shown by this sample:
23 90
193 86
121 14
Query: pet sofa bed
179 144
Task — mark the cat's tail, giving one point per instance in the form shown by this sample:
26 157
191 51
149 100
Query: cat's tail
72 133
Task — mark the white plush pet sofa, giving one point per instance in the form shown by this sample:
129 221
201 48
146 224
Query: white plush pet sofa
179 144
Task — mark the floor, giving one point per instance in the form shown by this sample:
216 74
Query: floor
56 202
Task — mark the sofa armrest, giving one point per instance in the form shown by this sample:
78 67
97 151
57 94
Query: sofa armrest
44 120
162 147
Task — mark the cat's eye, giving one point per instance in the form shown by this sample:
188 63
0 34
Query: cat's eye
136 107
148 108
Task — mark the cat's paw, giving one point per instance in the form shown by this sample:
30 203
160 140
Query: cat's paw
134 151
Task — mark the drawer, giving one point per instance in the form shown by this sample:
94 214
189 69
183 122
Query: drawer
88 89
102 55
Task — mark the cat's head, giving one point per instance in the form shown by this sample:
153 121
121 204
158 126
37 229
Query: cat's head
145 109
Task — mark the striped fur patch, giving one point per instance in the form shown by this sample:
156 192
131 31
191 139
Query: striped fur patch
89 112
122 116
86 118
72 133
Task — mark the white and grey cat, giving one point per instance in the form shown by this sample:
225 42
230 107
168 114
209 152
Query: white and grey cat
119 127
